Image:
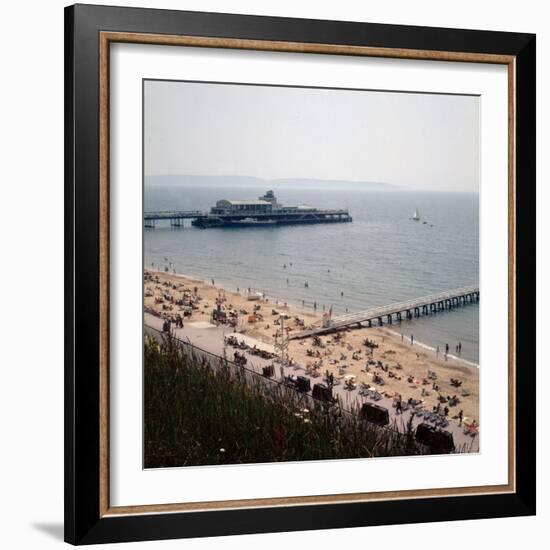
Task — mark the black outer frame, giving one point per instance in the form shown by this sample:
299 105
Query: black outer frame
83 524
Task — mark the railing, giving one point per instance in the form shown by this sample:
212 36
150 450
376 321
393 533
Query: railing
172 214
359 316
406 305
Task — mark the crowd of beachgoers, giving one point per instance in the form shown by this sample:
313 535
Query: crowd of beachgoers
374 361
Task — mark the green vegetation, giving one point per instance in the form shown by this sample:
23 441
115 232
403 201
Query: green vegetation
197 413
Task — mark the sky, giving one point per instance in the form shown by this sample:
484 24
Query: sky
415 141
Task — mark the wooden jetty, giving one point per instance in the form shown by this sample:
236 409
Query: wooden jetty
410 308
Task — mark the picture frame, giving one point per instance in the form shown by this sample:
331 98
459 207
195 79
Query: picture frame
90 31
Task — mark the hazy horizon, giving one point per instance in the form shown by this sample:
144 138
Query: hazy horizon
411 141
261 183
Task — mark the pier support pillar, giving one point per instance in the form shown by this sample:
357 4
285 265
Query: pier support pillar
389 319
369 323
398 315
380 322
416 312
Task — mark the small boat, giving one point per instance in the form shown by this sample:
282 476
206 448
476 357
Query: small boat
416 215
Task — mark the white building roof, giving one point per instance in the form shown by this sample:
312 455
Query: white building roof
224 201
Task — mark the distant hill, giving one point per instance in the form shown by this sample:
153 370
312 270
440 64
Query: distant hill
251 181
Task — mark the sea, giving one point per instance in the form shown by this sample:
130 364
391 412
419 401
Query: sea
380 258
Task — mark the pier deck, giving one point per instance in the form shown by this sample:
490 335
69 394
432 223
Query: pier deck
172 214
280 217
175 217
411 308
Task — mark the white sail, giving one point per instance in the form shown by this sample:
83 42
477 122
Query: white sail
416 215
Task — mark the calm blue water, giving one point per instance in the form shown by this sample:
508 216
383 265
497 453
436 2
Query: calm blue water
380 258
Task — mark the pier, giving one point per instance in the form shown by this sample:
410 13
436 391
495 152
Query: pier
204 219
417 307
263 211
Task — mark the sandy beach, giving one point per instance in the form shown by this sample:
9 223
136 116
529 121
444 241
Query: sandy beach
391 364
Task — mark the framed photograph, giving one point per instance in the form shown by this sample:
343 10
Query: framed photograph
300 282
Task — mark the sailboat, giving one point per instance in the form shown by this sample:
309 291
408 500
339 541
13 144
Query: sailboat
416 215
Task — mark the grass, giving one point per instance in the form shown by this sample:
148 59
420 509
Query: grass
197 412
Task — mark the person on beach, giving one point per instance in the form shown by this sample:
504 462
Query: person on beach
212 282
412 339
399 406
446 349
342 293
459 347
460 417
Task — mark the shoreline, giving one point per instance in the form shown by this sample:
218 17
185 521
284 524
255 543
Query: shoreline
279 302
460 361
427 347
